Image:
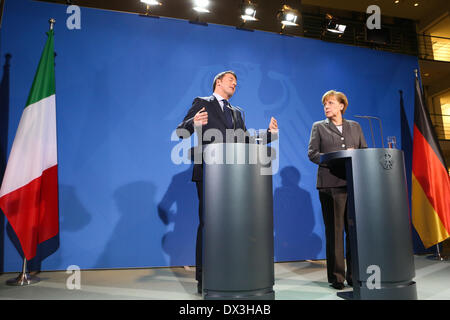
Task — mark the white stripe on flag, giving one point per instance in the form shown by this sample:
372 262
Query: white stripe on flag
34 147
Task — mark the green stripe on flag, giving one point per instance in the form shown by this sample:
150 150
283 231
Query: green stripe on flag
44 80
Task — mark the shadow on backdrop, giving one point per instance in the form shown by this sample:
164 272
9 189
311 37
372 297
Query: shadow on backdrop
294 219
73 217
130 240
178 211
4 125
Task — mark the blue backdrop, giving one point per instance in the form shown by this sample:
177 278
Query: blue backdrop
124 82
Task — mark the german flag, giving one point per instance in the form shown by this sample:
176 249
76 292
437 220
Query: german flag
430 179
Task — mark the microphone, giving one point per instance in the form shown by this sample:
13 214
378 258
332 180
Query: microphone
239 109
371 130
233 109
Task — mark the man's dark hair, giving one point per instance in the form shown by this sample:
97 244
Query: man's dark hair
220 76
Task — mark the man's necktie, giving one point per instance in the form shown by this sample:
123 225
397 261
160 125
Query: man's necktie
227 114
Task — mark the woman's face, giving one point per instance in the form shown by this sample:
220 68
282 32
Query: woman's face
332 107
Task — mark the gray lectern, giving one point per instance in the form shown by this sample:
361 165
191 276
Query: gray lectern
238 222
379 227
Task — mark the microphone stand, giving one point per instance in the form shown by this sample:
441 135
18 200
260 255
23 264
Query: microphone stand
381 129
371 129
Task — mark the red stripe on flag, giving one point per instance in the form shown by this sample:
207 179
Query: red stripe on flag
32 211
432 176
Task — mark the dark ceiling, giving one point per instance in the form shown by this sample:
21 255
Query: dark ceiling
227 12
183 8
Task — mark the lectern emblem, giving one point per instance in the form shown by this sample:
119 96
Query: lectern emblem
386 161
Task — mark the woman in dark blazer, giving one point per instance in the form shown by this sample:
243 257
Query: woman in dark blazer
334 134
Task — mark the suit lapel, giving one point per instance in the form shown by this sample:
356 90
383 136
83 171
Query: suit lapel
333 127
345 127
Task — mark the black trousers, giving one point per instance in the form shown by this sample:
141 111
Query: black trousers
199 242
334 211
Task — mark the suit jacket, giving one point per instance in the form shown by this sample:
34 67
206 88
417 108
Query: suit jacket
326 137
216 120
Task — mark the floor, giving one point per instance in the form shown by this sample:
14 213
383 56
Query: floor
293 281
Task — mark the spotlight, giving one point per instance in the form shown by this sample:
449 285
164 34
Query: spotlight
248 11
333 26
151 2
201 6
288 16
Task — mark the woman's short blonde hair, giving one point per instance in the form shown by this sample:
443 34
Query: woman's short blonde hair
340 97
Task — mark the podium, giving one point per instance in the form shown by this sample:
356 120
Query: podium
238 256
378 220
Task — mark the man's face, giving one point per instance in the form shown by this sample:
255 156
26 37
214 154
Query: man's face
332 107
227 85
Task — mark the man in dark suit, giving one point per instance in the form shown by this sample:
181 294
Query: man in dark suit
334 134
213 113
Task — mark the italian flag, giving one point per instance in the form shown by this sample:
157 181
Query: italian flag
29 191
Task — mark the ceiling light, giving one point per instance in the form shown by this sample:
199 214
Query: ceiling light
201 5
151 2
288 16
416 4
333 26
248 11
337 28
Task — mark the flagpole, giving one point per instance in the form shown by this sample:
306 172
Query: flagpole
438 253
438 256
416 72
52 23
24 277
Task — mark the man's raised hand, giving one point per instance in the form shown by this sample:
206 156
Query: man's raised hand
201 117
